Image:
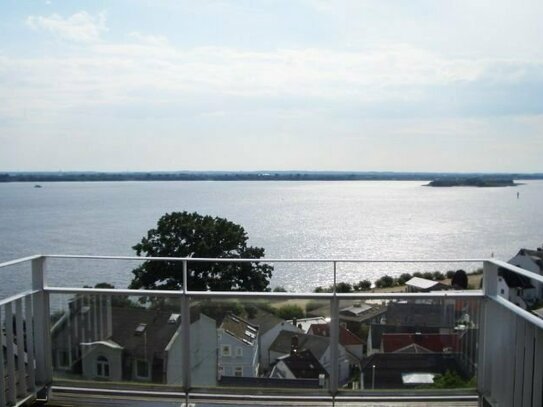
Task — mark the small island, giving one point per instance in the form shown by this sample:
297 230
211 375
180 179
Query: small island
473 182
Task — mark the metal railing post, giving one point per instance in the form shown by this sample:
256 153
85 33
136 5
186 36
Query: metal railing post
185 331
42 331
490 289
334 338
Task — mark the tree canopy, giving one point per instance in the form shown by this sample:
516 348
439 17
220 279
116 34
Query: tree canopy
460 280
184 234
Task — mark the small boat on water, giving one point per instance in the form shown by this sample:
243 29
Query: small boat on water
37 186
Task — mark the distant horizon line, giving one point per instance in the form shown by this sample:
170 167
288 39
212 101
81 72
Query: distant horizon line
267 171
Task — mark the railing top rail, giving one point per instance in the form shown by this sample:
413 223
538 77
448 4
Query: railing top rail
267 294
531 275
21 260
262 260
17 297
535 320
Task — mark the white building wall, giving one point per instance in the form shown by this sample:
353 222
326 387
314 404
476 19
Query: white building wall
203 358
90 354
248 360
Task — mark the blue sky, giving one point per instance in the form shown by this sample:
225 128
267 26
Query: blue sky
247 85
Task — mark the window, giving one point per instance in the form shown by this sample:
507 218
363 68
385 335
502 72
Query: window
63 358
102 366
502 291
226 350
239 351
142 369
238 371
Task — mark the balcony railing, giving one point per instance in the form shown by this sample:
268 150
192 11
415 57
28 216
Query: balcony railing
194 345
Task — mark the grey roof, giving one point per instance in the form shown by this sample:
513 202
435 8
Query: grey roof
156 336
535 255
316 344
265 321
353 313
240 329
303 365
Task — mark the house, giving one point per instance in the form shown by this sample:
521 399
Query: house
531 260
134 344
319 347
423 285
347 339
419 342
238 348
516 288
412 317
299 365
407 370
270 333
146 345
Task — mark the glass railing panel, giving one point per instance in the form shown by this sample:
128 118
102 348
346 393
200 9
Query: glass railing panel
115 341
10 286
93 272
407 344
259 345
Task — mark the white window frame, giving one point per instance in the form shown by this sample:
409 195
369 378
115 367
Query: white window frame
136 374
239 352
102 367
226 350
238 371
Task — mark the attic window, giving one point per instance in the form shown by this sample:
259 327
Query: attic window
140 329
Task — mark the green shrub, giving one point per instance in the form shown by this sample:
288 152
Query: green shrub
364 285
344 288
290 311
385 282
404 278
438 276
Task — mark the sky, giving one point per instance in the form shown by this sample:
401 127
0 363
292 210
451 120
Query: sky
347 85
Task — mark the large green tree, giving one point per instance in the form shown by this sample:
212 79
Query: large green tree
183 234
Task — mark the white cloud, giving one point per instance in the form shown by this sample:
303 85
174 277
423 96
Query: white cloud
150 70
79 27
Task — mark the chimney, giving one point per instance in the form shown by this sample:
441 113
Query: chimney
294 345
294 321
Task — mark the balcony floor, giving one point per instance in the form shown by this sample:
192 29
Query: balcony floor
72 400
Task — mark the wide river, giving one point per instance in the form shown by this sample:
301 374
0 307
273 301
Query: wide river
360 219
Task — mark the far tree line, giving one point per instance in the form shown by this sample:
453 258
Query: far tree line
458 279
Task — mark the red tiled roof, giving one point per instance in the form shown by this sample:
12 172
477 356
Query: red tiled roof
432 342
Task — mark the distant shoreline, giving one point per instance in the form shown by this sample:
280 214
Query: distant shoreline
446 179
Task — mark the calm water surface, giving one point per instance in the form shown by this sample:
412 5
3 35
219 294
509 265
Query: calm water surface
374 220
